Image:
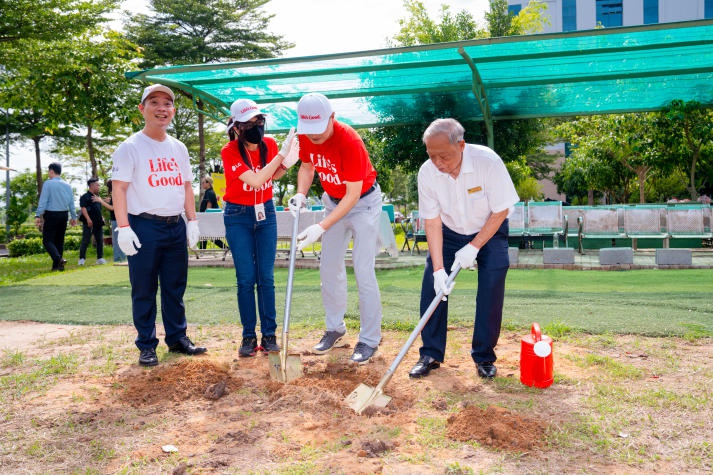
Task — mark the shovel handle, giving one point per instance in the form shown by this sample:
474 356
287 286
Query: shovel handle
416 331
290 274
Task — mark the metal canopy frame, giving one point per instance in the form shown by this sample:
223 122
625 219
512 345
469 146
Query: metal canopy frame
628 69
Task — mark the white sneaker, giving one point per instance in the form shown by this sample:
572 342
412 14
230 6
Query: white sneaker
81 262
101 261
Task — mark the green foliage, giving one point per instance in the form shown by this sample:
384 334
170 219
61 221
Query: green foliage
514 139
23 200
33 245
529 189
653 154
420 29
45 21
197 32
23 247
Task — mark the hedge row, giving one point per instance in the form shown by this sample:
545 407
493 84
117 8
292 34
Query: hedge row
24 247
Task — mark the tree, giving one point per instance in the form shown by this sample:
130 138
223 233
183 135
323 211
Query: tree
514 139
23 200
45 21
689 138
37 39
203 31
93 90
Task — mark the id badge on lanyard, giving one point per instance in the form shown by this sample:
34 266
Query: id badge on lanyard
260 212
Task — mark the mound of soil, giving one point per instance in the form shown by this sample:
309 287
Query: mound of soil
496 427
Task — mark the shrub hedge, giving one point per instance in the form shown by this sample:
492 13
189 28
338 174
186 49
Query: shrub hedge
33 245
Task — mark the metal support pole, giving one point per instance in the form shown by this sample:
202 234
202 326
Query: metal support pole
481 96
7 172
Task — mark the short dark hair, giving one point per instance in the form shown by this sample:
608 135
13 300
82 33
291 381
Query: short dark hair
92 180
56 167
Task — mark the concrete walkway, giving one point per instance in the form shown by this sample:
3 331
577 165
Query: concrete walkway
527 259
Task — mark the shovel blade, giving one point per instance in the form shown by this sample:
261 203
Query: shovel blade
364 396
292 370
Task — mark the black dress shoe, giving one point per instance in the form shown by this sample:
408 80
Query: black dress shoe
487 370
186 346
423 367
61 264
148 358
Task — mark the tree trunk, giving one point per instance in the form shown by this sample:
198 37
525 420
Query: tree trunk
38 164
90 150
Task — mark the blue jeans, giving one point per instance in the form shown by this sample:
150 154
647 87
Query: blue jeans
119 255
163 257
254 246
493 263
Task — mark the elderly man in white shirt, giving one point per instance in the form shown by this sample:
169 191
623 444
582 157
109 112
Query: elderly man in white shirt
465 195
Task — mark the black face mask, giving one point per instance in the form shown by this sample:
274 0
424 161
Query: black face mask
254 134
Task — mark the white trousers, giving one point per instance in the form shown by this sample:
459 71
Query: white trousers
362 225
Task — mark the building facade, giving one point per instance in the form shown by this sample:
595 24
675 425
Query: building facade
571 15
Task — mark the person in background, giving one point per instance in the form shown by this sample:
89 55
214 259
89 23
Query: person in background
464 195
152 187
352 199
55 207
119 256
251 161
209 201
92 222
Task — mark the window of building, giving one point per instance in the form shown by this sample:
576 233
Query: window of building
651 12
569 15
708 13
515 8
610 13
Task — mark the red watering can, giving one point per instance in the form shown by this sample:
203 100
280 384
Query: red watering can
536 359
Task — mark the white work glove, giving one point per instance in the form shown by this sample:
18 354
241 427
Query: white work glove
287 144
439 283
128 240
465 257
192 233
296 203
293 156
309 235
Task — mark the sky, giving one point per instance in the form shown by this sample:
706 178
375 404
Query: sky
315 27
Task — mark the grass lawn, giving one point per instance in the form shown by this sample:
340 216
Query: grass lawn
647 302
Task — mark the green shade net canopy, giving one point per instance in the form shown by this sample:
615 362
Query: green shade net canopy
602 71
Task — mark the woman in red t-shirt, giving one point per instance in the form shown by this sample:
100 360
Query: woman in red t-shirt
251 161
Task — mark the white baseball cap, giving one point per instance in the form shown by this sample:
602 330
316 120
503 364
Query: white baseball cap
156 88
313 113
243 110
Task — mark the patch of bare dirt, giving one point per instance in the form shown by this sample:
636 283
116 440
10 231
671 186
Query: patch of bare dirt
224 414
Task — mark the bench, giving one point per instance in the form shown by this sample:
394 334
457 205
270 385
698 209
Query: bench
645 222
545 220
689 221
285 223
211 228
602 222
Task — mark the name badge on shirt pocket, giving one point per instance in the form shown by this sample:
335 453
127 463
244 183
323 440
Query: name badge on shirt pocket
476 193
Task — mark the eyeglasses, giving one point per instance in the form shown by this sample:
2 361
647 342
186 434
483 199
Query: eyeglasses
249 125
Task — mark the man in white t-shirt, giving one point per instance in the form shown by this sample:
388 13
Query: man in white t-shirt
152 187
464 195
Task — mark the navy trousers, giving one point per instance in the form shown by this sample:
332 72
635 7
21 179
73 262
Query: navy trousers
162 258
53 231
493 263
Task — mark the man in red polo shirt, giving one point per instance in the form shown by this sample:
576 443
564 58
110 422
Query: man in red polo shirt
352 201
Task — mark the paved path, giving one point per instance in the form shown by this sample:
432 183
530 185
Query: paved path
530 258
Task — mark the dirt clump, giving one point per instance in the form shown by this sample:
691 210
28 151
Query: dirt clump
180 380
496 427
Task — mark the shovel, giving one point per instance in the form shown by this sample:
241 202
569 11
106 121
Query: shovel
364 396
285 367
